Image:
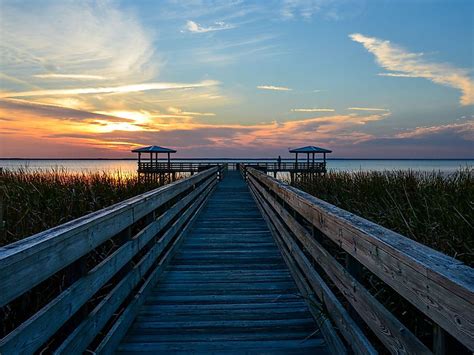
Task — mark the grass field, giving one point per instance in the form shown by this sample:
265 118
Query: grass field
34 201
431 208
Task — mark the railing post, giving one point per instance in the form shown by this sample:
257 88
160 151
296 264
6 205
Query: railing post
2 222
439 340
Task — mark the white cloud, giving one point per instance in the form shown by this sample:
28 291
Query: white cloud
367 109
113 89
465 129
312 110
75 37
70 76
178 111
329 9
272 87
397 75
406 64
194 27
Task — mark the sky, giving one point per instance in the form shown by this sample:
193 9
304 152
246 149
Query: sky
366 78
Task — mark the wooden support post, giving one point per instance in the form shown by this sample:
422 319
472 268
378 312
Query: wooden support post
439 340
2 221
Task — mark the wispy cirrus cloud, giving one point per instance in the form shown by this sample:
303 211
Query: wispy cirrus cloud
368 109
70 76
329 9
178 111
195 27
464 129
114 132
112 89
414 65
312 110
274 88
76 38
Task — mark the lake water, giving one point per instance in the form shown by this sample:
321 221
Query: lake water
129 166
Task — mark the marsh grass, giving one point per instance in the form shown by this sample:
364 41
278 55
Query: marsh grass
35 200
435 209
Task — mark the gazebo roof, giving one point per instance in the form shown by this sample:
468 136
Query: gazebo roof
310 149
153 149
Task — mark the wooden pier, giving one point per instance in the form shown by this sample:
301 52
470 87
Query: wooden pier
229 262
227 288
166 170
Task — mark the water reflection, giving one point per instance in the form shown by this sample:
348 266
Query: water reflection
127 168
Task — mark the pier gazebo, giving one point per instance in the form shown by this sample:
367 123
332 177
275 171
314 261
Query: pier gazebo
151 165
310 151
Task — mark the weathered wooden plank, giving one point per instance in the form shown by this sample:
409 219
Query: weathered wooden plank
222 299
247 292
89 328
31 334
258 346
438 285
121 325
27 262
392 333
348 328
332 338
197 336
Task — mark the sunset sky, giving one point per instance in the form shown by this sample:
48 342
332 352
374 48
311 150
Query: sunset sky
367 79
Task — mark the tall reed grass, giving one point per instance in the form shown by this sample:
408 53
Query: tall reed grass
35 200
435 209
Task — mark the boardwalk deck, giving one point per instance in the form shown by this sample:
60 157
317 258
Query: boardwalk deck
227 289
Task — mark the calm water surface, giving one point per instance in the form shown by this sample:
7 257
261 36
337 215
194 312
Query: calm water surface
129 166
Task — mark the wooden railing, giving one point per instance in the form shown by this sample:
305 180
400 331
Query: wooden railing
153 166
289 166
146 231
177 166
440 287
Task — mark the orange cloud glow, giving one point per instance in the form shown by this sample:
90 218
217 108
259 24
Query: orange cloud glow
114 133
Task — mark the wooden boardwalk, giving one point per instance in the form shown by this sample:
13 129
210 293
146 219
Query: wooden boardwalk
227 289
215 264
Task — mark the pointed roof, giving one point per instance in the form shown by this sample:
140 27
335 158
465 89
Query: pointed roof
153 149
310 149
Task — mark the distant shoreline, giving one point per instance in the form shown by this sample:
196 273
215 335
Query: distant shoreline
241 159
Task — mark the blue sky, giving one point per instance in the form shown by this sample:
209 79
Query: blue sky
237 78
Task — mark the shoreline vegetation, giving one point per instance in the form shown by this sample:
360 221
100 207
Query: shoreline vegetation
36 200
435 209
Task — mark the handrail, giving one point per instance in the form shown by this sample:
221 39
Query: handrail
147 229
439 286
176 166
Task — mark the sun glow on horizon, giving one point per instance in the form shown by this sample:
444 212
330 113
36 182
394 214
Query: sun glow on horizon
213 80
